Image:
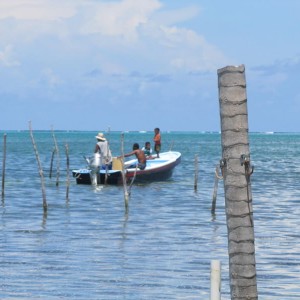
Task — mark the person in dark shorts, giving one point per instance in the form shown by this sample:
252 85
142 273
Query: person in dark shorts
139 154
157 141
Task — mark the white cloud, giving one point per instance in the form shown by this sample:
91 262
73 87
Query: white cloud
126 34
59 42
6 57
191 51
175 16
44 10
120 19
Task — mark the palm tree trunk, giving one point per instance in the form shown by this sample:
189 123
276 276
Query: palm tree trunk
236 169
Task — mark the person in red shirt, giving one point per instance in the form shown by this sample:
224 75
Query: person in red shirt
157 141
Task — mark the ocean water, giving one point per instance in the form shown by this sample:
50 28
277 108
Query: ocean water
87 247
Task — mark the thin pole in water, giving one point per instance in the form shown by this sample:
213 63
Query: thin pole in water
45 206
57 158
126 193
3 164
108 150
214 200
51 163
196 173
68 171
215 280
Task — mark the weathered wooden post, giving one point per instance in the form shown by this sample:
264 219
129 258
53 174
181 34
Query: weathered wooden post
126 193
215 192
196 173
45 205
57 158
51 163
3 164
215 280
68 171
236 174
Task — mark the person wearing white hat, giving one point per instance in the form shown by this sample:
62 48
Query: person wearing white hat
102 148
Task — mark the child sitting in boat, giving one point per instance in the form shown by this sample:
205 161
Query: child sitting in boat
147 150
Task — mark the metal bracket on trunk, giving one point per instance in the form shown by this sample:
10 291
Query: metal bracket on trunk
245 161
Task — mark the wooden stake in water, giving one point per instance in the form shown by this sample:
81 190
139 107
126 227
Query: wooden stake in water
214 198
45 206
68 172
196 172
3 164
215 280
51 163
57 158
126 193
106 166
237 185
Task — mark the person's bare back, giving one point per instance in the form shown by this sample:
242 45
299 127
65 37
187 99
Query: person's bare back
139 154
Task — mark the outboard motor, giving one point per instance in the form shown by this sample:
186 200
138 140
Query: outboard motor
94 164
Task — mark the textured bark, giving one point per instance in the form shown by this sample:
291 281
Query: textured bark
237 186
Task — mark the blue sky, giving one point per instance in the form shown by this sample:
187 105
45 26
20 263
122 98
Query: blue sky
140 64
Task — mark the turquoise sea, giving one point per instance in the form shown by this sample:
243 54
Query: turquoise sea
87 247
